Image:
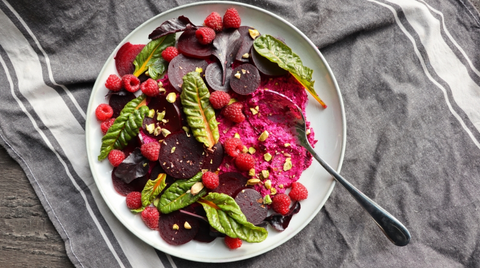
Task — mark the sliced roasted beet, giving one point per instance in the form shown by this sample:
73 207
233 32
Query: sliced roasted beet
245 79
180 66
125 56
213 157
188 45
118 100
246 43
251 204
265 66
231 183
124 188
226 45
171 26
133 167
172 228
167 116
181 156
214 76
280 222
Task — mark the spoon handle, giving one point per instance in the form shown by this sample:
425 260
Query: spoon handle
391 227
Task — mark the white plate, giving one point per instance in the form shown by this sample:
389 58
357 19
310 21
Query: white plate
329 125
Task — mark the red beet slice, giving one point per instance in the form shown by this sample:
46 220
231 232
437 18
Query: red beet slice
213 158
118 100
214 76
246 43
172 228
265 66
251 204
188 45
125 57
231 183
180 66
124 188
172 121
245 79
181 156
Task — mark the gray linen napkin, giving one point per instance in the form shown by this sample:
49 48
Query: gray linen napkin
409 75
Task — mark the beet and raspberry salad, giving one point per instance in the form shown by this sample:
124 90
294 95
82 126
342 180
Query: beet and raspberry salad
192 148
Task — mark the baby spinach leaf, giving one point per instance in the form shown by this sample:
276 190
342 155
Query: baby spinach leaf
125 127
178 195
276 51
150 58
225 216
153 188
199 112
171 26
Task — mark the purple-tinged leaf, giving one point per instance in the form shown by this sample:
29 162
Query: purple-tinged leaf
134 166
225 46
171 26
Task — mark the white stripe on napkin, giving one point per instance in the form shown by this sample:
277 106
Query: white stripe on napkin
442 59
69 134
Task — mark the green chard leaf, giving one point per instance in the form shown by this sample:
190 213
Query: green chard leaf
125 127
276 51
150 58
178 195
225 216
153 188
198 110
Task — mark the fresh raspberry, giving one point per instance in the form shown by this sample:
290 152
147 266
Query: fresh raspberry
205 35
131 82
214 21
233 146
169 53
134 200
281 203
210 180
234 113
150 150
244 162
106 125
150 216
116 157
150 88
233 243
231 19
299 192
219 99
114 82
103 112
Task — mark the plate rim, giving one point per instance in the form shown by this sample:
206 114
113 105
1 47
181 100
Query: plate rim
341 104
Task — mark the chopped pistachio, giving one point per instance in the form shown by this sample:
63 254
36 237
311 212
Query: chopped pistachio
287 145
254 111
232 100
267 200
196 188
287 155
236 135
267 157
186 129
308 131
288 164
244 149
198 70
268 184
160 84
162 90
171 97
251 182
157 131
175 227
244 71
150 128
251 172
165 132
273 190
263 136
187 225
173 149
251 150
238 75
265 174
280 186
151 113
253 33
160 115
246 56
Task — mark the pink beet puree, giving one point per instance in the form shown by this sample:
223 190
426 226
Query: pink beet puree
280 142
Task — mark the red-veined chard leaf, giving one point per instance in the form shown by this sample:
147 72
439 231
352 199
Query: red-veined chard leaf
171 26
125 127
151 190
179 195
199 112
150 58
276 51
225 216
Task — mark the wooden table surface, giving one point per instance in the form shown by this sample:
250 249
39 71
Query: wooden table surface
27 237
